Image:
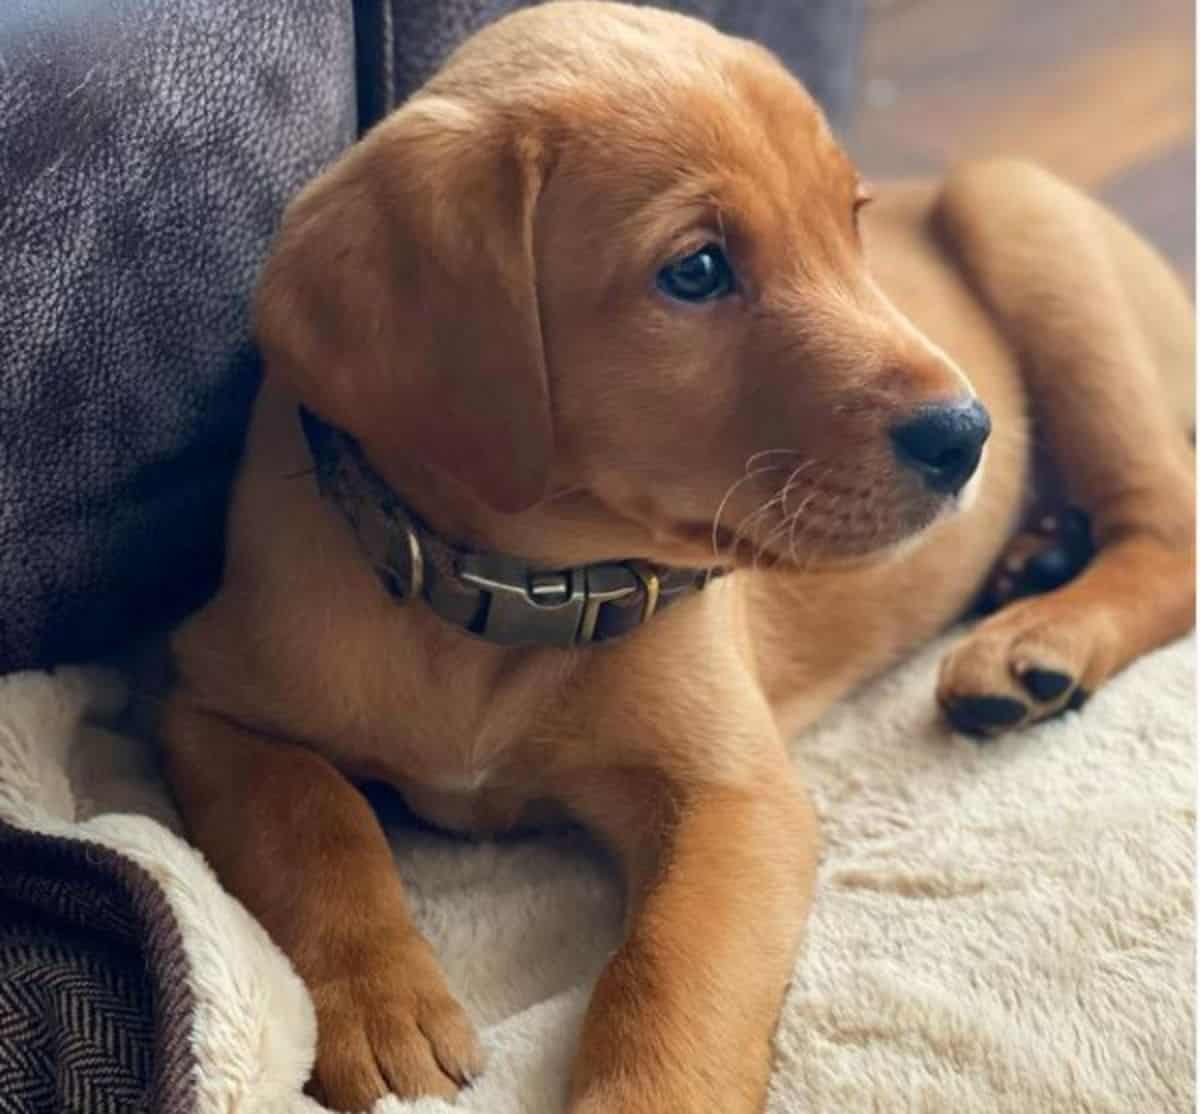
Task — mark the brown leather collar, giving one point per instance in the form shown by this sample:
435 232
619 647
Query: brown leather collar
492 596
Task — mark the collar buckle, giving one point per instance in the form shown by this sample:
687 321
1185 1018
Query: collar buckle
524 606
551 607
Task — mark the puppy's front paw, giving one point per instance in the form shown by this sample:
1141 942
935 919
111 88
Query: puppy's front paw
1026 663
387 1023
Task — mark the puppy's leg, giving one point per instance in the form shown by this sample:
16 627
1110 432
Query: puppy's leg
1106 337
719 881
298 845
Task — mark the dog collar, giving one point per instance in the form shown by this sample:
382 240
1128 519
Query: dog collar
493 596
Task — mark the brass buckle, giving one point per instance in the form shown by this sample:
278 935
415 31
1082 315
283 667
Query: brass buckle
650 585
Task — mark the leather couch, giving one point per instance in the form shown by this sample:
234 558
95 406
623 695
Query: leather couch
147 148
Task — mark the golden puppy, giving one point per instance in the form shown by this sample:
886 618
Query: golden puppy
594 312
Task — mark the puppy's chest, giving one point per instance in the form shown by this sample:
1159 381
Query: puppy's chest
454 740
462 781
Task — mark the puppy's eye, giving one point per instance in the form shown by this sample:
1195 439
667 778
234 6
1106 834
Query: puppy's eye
700 277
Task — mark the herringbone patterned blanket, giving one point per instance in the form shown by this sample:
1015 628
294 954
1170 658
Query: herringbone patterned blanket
94 993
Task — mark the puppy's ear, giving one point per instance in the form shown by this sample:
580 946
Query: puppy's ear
400 300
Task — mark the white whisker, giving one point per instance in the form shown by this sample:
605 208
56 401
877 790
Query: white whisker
716 527
743 526
800 511
750 463
780 500
783 498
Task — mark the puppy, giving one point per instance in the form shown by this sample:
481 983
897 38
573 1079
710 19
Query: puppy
638 440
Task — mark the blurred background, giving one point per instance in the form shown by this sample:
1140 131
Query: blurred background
1101 91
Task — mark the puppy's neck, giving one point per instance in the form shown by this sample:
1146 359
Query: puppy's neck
572 526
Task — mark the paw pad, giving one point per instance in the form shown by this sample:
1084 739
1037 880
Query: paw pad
1046 684
984 715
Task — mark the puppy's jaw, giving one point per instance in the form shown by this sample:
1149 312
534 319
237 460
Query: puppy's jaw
829 522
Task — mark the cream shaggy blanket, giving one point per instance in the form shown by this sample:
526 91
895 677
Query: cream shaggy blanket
1005 928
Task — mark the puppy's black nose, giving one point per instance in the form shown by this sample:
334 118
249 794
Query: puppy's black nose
944 443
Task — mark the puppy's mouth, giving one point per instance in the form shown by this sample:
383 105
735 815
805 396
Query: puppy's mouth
841 540
814 517
834 525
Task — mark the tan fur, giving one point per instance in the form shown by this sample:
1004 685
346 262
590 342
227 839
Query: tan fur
470 291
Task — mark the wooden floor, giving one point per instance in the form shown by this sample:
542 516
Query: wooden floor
1101 91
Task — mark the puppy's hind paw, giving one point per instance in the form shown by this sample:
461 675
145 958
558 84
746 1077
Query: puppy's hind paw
1054 551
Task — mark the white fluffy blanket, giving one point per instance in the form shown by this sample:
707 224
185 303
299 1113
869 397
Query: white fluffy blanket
1006 928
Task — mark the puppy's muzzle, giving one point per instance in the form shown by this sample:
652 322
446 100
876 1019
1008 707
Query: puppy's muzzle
943 443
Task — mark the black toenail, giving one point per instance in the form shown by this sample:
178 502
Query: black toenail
1078 699
979 715
1046 684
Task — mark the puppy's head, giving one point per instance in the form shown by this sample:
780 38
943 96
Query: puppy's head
611 250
